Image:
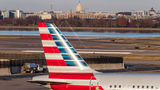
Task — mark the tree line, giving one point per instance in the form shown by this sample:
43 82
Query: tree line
77 22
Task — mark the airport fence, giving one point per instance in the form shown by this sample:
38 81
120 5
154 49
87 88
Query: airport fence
104 60
19 59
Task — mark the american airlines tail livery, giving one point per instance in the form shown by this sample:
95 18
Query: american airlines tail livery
68 70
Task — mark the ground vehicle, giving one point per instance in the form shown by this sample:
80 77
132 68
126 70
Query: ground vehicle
33 68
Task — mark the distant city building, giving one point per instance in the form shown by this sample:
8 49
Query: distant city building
91 15
140 14
13 14
43 15
6 14
79 8
145 14
19 14
152 12
79 13
1 15
62 15
96 15
124 13
158 14
30 14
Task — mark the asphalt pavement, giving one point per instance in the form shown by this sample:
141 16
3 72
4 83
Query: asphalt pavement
19 84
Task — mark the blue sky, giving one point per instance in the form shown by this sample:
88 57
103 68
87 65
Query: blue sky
89 5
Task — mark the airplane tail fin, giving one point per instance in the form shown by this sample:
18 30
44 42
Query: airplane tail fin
60 55
63 62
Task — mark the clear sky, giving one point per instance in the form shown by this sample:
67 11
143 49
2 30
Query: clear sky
88 5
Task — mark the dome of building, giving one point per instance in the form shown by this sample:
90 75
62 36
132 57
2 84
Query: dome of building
152 10
79 8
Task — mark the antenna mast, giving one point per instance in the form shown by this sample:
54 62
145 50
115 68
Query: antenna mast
51 5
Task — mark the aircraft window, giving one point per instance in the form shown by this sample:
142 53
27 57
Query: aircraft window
152 87
69 44
70 63
66 57
84 63
62 50
59 44
110 86
63 37
73 50
51 31
79 57
120 86
138 86
142 86
55 37
147 87
115 86
133 86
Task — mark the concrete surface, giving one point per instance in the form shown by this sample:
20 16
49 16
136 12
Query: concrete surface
19 84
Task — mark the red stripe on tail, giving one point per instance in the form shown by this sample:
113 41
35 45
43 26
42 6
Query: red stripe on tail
83 76
41 24
51 50
46 37
55 63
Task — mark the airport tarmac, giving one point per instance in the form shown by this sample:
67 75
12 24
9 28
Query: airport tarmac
20 82
85 45
101 45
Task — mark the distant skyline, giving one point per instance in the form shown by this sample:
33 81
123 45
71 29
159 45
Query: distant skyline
89 5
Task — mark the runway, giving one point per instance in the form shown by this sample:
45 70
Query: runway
100 51
86 45
89 51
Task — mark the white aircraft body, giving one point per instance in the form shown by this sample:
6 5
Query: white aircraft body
68 71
